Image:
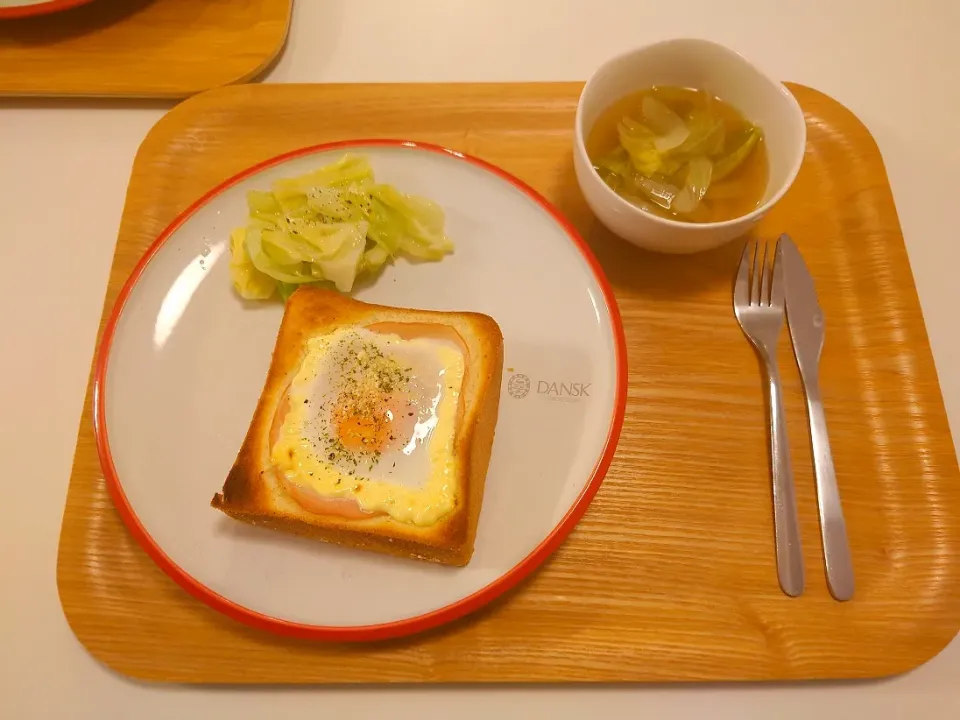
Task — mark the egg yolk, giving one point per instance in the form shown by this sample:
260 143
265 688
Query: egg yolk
374 424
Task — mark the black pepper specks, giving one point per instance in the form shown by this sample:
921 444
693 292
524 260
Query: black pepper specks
366 379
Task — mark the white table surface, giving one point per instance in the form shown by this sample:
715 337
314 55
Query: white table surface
63 173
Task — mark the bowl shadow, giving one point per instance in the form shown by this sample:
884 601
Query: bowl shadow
635 271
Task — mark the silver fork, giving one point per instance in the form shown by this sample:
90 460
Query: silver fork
758 304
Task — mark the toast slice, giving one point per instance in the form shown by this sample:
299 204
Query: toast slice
264 489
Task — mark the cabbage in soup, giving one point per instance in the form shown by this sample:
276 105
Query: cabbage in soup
681 154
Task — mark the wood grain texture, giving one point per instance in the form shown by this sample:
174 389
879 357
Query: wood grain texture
671 574
141 48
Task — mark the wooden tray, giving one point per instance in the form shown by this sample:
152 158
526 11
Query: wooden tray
671 574
141 48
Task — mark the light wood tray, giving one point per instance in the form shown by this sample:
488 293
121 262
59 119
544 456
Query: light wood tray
141 48
671 574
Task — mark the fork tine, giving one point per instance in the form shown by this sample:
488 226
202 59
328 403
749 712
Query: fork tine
776 290
768 255
741 290
758 262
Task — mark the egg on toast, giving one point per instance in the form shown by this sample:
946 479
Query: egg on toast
374 429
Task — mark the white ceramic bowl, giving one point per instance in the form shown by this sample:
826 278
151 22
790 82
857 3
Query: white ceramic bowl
722 72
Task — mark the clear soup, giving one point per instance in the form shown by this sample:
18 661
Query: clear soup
681 154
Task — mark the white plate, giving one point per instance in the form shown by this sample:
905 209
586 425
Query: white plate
183 360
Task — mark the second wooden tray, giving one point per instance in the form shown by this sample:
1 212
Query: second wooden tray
671 574
141 48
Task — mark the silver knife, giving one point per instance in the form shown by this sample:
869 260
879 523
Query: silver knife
805 320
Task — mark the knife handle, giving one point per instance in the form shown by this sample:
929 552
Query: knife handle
833 528
785 520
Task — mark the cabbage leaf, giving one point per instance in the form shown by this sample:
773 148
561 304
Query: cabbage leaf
330 226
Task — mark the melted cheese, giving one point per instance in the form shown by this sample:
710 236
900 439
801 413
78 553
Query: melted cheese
412 479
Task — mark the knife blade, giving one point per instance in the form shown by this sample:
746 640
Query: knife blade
806 324
804 316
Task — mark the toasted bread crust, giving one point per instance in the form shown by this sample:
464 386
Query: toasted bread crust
253 494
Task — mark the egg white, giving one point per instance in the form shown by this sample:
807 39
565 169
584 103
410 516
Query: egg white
413 479
407 462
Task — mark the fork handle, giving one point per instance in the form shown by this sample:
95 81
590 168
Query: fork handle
786 522
833 528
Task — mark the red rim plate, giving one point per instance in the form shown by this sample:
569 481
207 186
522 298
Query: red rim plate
407 626
43 8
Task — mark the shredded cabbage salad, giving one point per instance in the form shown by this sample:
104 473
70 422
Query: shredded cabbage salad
330 226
